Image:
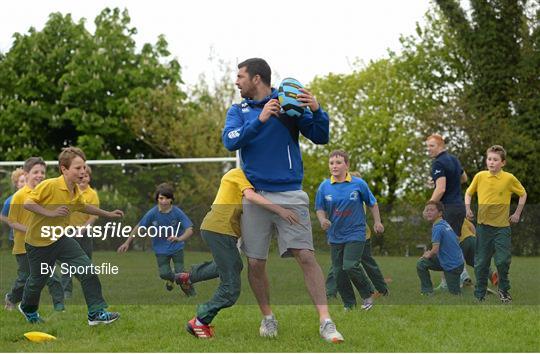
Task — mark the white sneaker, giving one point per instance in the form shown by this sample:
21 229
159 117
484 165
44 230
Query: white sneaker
268 327
367 303
329 332
8 305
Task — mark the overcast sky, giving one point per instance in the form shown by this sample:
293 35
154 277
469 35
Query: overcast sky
301 38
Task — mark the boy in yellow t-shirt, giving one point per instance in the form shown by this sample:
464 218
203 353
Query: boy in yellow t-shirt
220 230
495 188
18 217
77 218
51 203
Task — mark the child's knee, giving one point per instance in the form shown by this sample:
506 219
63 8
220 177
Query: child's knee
421 265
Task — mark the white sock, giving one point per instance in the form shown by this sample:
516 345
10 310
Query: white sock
269 317
198 323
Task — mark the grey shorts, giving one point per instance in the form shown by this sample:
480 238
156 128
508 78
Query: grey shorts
258 225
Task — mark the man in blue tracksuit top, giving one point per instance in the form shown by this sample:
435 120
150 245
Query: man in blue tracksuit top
272 161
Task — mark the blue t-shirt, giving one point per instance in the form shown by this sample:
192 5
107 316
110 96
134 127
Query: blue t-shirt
450 254
344 206
5 212
447 165
175 218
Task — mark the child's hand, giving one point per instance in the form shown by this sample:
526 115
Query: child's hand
470 214
289 216
116 214
173 239
514 218
325 224
124 247
60 211
378 227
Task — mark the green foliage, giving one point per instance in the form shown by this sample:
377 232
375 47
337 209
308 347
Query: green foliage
77 85
371 121
499 44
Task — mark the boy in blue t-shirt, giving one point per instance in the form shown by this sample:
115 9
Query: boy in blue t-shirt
169 228
339 204
445 254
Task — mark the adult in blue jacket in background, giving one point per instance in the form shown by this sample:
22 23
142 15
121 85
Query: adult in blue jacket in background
272 161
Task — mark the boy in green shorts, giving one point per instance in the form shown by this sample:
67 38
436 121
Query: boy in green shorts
51 203
34 172
495 188
220 230
167 247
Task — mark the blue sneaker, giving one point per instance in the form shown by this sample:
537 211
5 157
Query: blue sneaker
31 317
102 317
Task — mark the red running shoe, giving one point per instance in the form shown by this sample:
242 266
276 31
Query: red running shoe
203 331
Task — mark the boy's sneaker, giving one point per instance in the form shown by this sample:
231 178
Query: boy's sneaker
183 280
31 317
102 317
59 307
494 278
367 304
467 282
169 285
202 331
329 332
8 305
268 327
505 297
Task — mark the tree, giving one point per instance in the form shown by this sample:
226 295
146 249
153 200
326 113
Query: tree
370 121
77 84
500 43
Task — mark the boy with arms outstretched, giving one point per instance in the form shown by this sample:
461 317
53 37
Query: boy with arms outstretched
51 203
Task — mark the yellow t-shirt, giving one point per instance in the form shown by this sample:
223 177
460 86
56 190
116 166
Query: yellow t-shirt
224 217
90 196
494 195
467 230
18 214
50 194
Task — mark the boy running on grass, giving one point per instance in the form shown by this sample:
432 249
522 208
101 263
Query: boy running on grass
444 255
339 204
168 247
51 203
495 188
34 172
220 230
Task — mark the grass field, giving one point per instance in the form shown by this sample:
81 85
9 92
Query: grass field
152 319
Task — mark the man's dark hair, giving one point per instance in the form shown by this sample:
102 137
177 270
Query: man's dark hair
165 190
257 66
